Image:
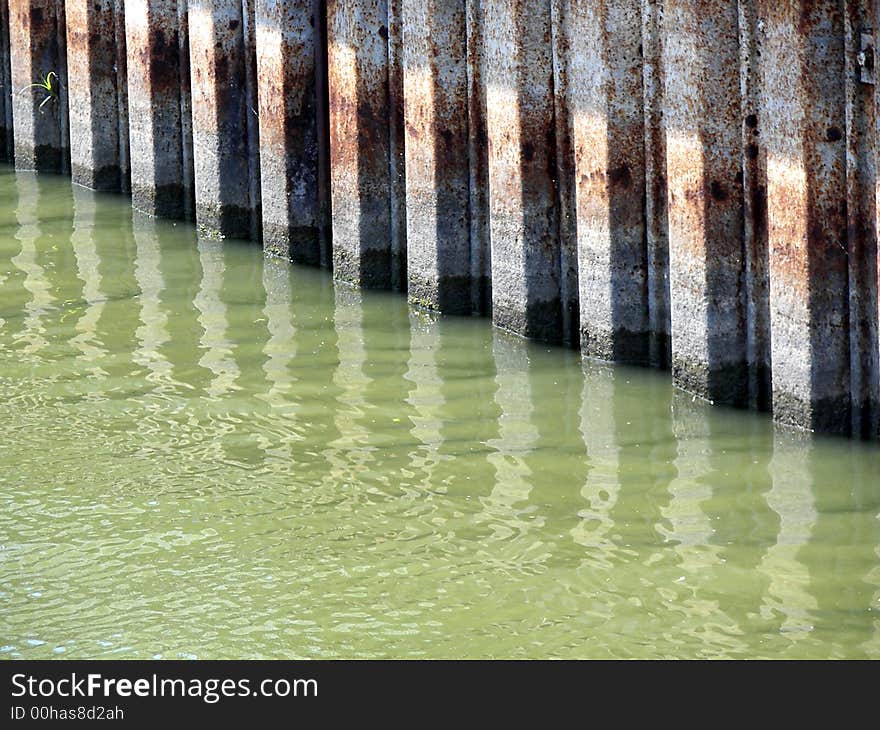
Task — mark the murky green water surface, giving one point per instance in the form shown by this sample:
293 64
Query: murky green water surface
208 454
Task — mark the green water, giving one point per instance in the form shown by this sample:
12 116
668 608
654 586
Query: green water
209 454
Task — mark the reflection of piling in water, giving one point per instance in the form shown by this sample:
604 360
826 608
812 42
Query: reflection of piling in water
687 184
88 263
40 300
788 602
690 532
152 334
212 317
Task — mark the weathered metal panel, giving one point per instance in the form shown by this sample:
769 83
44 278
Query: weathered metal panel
603 96
287 44
478 160
803 124
755 252
92 91
37 49
360 141
221 144
702 119
437 161
861 173
161 184
6 136
656 213
522 166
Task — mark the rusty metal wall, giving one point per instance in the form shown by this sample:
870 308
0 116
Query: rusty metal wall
37 48
97 156
6 136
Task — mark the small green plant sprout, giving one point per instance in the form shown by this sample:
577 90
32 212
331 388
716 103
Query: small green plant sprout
50 84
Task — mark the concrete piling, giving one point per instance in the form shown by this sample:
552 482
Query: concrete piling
6 137
688 184
756 284
158 99
804 126
478 160
524 223
437 159
288 48
98 152
656 208
223 157
37 55
860 34
600 47
360 141
563 16
702 119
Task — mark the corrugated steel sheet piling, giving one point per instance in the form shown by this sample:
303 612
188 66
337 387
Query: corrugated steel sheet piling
360 142
523 204
158 104
702 121
37 49
6 136
600 47
803 123
288 49
98 146
225 159
437 159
